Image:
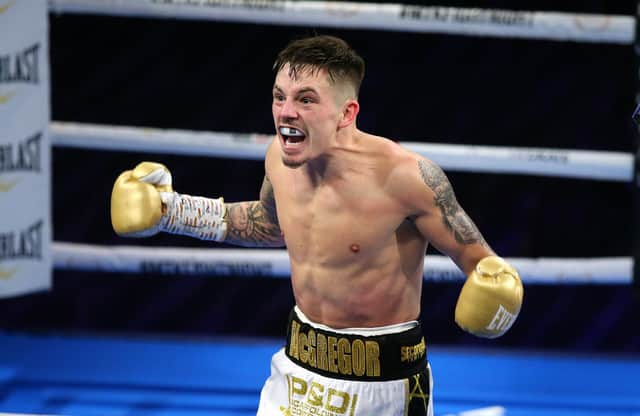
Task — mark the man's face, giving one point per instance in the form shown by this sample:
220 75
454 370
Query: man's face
306 112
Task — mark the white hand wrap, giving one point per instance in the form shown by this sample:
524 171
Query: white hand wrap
195 216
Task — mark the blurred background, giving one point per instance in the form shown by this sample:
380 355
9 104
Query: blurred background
216 76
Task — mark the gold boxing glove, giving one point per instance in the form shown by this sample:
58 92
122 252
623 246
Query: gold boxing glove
490 300
136 205
143 203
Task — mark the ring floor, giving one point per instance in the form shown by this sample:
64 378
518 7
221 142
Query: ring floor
62 374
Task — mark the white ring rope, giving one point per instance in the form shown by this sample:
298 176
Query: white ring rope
275 263
390 16
612 166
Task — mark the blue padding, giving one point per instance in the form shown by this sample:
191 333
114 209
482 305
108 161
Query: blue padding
82 375
545 382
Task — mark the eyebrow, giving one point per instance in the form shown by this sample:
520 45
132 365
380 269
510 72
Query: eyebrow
300 92
307 89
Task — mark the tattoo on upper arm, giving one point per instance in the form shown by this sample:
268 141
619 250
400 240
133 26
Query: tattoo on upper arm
254 223
453 216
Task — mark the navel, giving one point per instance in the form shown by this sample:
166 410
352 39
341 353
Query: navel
355 248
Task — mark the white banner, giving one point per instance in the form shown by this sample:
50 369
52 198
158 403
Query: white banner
25 168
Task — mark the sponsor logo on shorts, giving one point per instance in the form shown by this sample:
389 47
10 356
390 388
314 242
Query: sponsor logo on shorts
413 353
338 355
418 392
315 399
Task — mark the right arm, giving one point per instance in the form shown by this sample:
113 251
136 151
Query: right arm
143 203
254 223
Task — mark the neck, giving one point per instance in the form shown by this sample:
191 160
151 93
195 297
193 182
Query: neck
336 160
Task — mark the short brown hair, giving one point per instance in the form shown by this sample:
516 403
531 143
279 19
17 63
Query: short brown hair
323 52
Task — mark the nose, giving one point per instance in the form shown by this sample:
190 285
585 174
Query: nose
288 111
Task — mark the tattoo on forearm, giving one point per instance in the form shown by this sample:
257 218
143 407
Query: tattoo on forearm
254 223
453 216
249 225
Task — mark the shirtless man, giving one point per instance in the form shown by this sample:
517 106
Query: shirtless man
356 213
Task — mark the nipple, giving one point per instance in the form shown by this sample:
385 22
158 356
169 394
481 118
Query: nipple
355 248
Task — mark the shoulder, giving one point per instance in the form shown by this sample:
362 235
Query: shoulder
271 156
398 163
413 179
390 153
406 175
404 166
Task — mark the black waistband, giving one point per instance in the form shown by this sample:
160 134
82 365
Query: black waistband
356 357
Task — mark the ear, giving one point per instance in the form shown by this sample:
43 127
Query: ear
349 113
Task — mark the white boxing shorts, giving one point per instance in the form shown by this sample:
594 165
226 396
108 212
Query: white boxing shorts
353 372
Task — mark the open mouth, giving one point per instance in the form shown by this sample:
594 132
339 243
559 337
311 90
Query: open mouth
292 136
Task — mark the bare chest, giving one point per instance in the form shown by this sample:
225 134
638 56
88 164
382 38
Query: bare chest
338 222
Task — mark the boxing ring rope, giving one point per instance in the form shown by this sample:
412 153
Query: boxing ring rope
613 166
275 264
378 16
555 26
585 164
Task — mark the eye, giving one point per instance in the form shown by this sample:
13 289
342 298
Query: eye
278 97
306 100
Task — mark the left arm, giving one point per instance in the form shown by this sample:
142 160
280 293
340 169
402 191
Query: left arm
491 297
442 221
